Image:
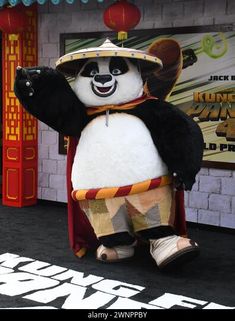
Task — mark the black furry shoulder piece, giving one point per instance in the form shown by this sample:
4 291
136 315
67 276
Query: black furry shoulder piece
177 136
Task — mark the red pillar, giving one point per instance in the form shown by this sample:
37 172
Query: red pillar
19 128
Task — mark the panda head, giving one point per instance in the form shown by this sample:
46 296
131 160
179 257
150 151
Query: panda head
109 80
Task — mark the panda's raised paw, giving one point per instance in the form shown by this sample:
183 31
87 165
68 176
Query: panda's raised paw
27 79
23 82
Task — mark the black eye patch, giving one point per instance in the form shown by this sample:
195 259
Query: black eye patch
90 70
118 66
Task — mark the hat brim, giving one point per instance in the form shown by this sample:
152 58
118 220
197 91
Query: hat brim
70 64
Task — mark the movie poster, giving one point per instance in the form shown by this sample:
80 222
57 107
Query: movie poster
205 90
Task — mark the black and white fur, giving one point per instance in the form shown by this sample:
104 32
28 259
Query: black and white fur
153 139
104 159
104 81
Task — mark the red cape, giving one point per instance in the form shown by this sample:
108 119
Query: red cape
81 234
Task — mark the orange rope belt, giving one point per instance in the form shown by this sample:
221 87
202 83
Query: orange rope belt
110 192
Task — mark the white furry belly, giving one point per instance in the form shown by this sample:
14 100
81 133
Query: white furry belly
121 154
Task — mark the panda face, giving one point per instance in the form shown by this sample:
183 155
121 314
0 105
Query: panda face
104 81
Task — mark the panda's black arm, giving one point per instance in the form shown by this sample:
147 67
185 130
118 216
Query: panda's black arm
46 94
177 137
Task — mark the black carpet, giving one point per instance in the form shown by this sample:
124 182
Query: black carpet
40 233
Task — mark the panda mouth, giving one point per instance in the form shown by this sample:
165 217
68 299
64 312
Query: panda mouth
104 91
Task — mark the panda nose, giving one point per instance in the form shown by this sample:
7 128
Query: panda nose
103 78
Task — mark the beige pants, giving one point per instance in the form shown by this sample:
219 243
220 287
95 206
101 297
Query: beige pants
131 213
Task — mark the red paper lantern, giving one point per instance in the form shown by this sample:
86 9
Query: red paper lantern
12 20
121 17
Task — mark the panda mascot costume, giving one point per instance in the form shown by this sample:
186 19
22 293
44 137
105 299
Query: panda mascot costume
129 151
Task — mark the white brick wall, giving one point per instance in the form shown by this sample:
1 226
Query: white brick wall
212 200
